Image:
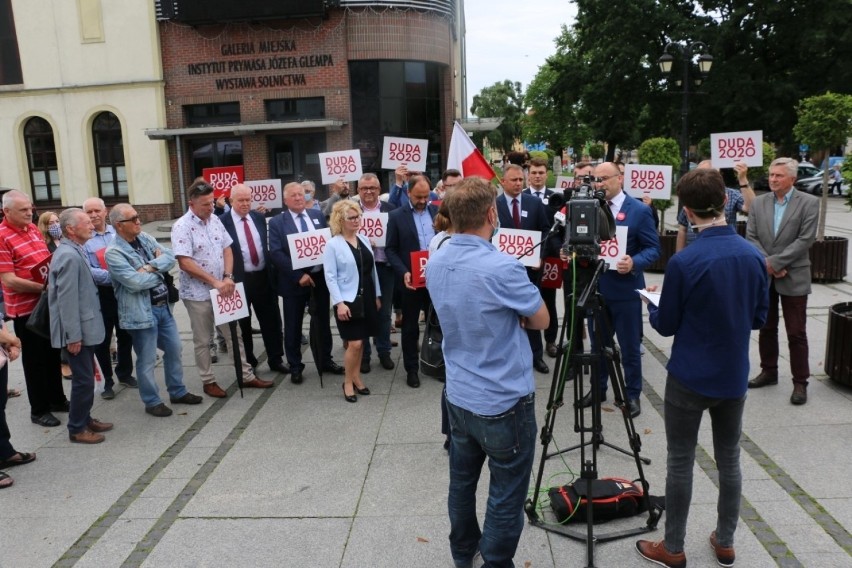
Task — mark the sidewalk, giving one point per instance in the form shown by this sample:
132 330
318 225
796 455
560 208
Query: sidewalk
295 477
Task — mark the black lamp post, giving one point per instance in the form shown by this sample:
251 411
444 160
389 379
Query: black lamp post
705 62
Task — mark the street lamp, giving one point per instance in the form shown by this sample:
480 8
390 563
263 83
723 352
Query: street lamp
705 62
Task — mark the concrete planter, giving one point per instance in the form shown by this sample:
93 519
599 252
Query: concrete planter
838 355
828 259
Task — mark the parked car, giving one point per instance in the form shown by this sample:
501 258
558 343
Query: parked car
806 170
813 185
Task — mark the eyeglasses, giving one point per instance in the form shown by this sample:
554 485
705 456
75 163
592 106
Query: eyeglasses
605 178
355 218
199 190
134 219
368 188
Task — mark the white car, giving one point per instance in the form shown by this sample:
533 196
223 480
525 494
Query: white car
813 185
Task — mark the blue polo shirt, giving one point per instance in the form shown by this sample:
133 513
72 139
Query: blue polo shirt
715 292
479 294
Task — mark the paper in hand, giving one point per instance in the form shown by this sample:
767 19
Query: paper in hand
653 297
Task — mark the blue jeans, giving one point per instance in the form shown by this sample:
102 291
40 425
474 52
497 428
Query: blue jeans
164 335
383 340
684 409
82 387
508 441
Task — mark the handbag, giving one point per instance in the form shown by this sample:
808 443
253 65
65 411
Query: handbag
174 293
39 320
431 352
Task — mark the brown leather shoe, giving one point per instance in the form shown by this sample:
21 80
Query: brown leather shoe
800 394
256 383
550 349
764 379
725 555
214 390
96 425
86 437
656 552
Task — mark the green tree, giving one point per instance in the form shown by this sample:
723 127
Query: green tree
825 121
501 100
661 152
596 151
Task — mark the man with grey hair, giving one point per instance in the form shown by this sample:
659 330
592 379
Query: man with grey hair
137 264
782 225
95 248
22 252
76 325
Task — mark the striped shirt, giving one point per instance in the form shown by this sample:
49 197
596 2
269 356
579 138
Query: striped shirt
20 251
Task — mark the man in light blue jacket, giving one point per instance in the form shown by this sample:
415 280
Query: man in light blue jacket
136 264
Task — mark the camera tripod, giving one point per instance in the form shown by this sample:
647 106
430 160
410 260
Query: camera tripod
574 364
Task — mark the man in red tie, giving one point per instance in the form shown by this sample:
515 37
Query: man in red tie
518 210
252 267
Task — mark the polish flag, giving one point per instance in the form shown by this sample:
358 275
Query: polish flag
465 157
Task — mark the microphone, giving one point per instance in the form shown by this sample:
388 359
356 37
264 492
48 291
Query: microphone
558 223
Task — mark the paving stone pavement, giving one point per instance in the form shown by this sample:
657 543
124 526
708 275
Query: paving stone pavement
294 476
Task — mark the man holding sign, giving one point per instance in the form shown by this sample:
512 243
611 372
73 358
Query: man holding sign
618 287
519 210
295 284
369 189
203 250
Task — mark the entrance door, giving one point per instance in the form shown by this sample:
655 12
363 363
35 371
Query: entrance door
295 157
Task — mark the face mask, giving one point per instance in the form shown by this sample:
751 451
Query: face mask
496 227
308 196
710 224
54 231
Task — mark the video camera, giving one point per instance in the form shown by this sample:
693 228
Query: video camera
588 220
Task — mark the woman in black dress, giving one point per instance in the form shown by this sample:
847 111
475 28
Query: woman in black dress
353 285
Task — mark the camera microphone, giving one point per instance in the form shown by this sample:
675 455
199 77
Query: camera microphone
558 223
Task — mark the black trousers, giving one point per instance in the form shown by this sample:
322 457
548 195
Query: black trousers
124 365
41 369
549 297
294 311
263 301
413 301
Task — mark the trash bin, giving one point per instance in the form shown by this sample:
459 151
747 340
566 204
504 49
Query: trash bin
838 344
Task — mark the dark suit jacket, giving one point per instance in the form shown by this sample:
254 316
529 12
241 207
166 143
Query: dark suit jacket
554 243
790 247
536 218
643 245
279 227
263 245
402 237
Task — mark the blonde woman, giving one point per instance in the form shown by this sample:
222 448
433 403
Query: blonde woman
48 225
353 284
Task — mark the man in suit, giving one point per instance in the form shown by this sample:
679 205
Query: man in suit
369 189
782 225
251 267
537 179
76 325
618 287
410 228
518 210
295 285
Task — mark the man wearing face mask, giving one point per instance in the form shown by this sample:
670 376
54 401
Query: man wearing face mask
618 287
714 293
310 194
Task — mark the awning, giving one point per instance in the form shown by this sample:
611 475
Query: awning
326 124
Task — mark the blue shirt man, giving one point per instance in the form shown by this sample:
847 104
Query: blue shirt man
714 293
485 300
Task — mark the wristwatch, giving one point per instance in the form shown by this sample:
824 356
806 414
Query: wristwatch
231 276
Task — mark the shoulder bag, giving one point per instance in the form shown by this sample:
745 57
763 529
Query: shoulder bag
39 320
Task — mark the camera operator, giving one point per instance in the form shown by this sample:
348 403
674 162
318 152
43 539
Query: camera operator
618 287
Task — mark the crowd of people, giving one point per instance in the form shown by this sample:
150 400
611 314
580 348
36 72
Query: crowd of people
111 277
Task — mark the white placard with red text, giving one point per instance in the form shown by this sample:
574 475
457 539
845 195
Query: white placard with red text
644 179
409 152
306 248
265 193
564 182
344 165
231 308
520 244
613 249
223 179
728 148
374 226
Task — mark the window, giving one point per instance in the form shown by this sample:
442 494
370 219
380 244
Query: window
10 58
109 156
295 109
214 153
213 113
41 159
